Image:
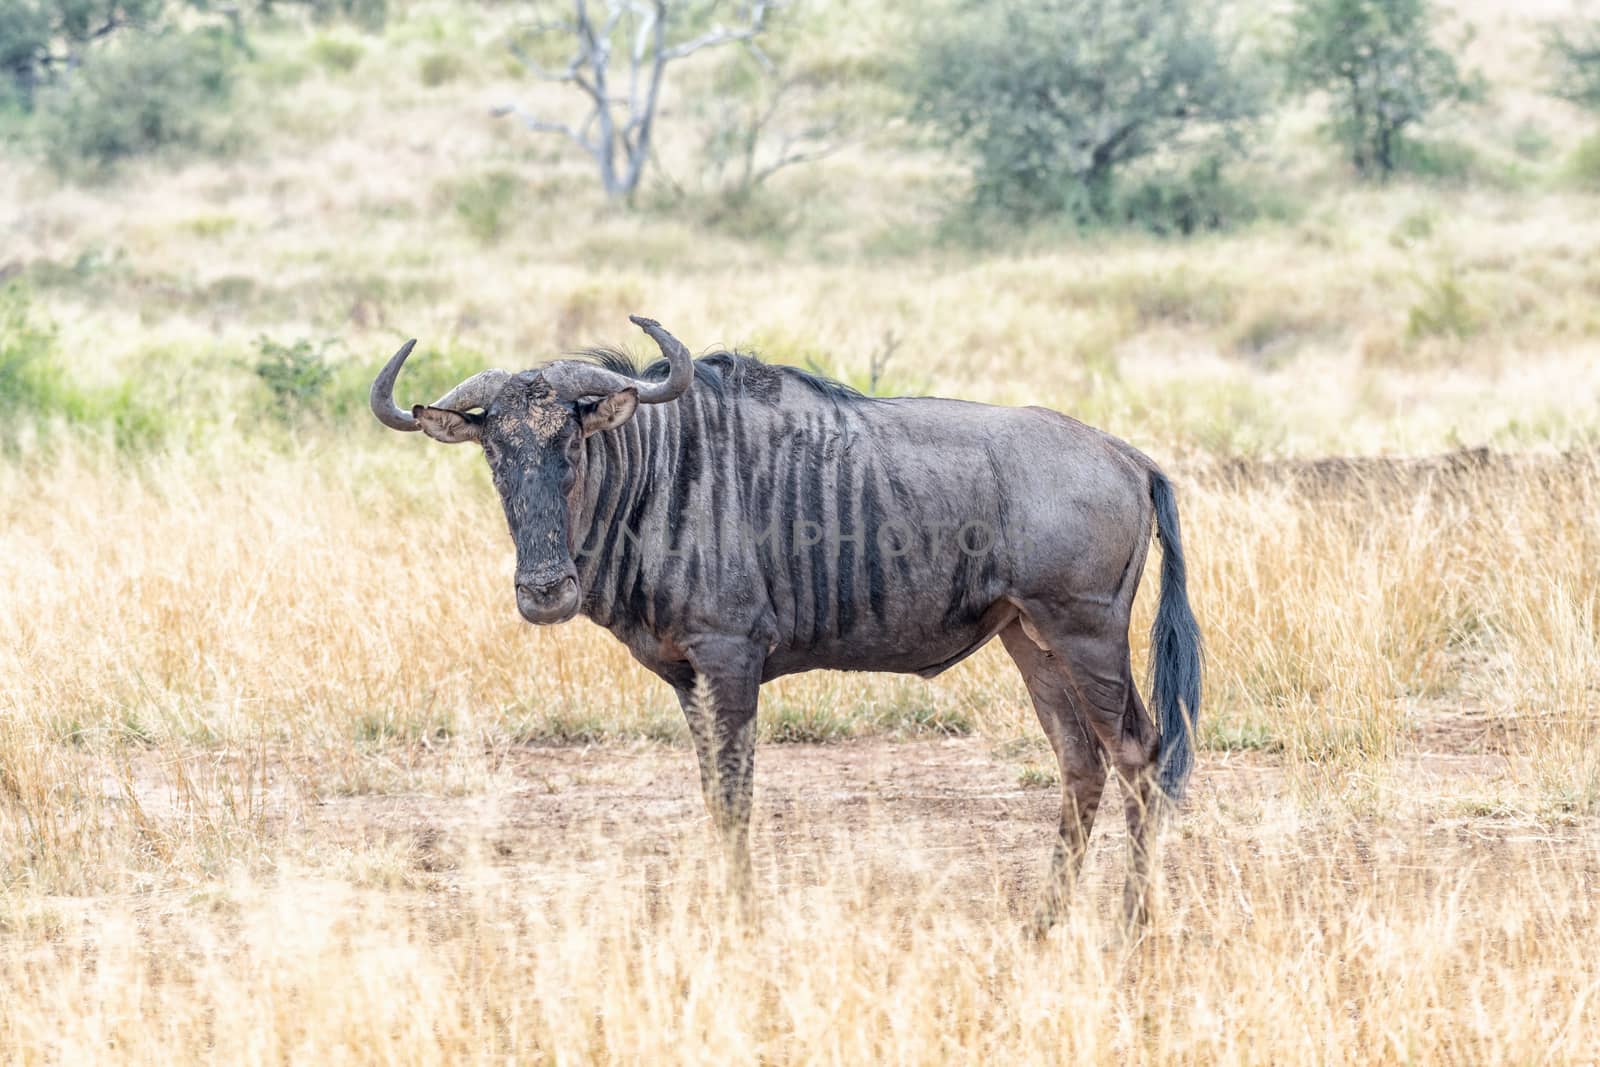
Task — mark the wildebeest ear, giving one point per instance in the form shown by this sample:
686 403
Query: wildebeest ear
609 413
449 427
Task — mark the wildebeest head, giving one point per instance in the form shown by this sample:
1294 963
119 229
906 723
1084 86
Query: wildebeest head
532 426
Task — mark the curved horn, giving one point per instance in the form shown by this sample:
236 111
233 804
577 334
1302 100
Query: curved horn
382 396
678 359
476 392
574 381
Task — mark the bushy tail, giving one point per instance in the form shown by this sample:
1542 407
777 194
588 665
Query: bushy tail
1175 651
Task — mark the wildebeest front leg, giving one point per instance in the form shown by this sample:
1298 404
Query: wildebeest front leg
721 711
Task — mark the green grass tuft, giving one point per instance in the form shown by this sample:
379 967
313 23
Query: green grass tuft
440 68
338 55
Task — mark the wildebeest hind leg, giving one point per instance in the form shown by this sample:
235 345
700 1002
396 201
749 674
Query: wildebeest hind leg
1098 672
1141 803
1081 759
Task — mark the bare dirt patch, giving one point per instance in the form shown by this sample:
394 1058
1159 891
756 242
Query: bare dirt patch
952 810
558 805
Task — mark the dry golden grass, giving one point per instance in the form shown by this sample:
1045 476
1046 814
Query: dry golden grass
273 776
199 656
1285 946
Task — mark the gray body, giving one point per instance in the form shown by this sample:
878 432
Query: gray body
764 521
849 533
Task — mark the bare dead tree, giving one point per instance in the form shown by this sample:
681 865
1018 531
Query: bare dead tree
619 58
777 126
879 361
877 364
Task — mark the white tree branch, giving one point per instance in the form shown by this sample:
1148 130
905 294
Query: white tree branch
787 158
627 122
538 125
539 70
721 35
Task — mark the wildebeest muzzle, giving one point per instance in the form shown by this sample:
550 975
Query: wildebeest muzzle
544 601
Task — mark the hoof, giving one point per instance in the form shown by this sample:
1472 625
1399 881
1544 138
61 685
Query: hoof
1038 928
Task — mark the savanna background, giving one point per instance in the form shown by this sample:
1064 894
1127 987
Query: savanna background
284 778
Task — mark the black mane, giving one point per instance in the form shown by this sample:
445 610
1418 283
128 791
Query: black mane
726 373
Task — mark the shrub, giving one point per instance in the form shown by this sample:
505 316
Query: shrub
279 72
296 375
1271 328
1415 227
40 39
137 96
370 15
336 54
33 388
126 413
1443 308
1530 141
1382 70
1583 166
24 43
1054 98
1574 51
27 351
484 204
437 68
1449 162
1183 201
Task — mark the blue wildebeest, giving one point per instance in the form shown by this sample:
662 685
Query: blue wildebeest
733 521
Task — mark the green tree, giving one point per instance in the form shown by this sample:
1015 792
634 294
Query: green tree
1381 68
138 95
39 38
1053 98
1574 48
